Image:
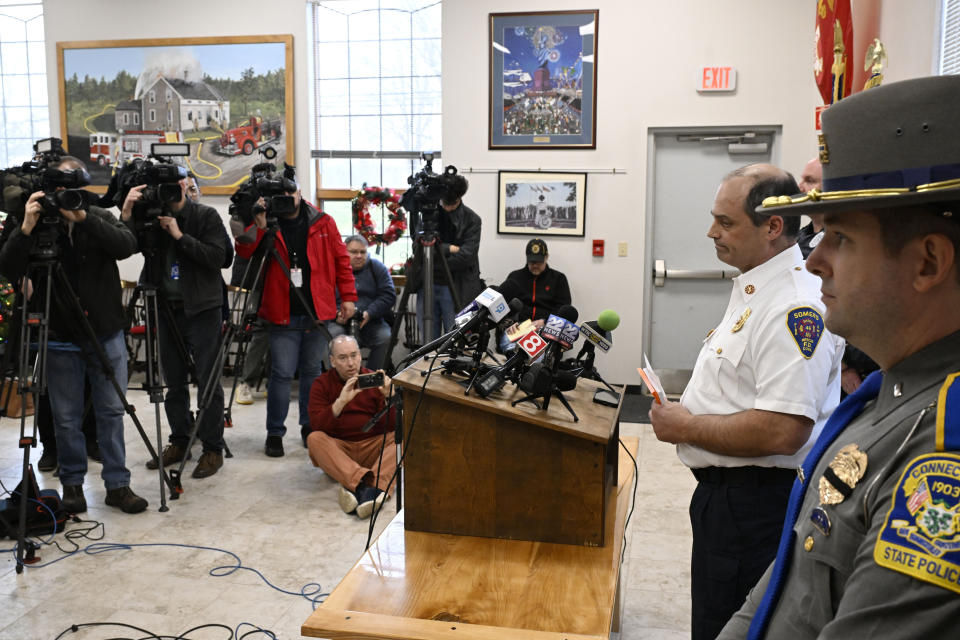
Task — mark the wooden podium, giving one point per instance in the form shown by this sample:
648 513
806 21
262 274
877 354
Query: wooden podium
480 467
497 472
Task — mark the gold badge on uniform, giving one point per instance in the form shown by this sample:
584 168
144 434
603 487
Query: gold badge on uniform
743 318
842 475
749 289
824 152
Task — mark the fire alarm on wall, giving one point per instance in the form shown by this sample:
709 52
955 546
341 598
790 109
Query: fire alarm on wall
598 248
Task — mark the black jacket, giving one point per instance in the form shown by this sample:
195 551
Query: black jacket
89 261
540 295
462 228
204 249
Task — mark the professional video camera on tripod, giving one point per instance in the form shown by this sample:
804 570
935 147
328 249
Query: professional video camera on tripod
184 245
65 251
301 263
446 243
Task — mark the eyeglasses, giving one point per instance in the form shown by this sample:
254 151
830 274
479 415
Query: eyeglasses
347 357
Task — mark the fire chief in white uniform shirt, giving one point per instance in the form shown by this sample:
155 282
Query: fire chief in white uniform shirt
766 379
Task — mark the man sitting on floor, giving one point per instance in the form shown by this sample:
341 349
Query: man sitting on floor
362 462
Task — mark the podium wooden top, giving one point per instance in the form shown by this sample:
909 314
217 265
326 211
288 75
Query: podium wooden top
431 586
597 421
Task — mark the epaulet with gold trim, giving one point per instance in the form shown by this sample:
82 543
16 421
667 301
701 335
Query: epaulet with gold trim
948 414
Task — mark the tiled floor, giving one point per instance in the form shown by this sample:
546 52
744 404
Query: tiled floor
280 516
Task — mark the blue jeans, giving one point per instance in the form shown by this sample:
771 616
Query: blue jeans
442 310
201 335
298 345
375 336
65 373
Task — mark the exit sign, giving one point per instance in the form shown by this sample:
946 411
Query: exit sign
717 79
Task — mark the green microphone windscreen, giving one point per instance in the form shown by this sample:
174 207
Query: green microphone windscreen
608 320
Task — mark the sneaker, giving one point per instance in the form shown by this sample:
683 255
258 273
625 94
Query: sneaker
48 460
125 499
208 464
369 499
274 446
172 454
244 395
73 500
347 500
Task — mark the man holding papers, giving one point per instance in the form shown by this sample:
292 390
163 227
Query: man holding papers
766 379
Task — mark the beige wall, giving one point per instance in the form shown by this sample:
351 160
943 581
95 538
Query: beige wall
648 55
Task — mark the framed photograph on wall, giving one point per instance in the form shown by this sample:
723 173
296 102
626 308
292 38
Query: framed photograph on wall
541 203
230 98
543 80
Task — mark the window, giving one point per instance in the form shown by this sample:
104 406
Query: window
152 115
950 37
126 118
153 98
376 66
24 111
169 95
169 116
136 118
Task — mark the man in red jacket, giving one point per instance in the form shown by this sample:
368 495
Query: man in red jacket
363 463
310 246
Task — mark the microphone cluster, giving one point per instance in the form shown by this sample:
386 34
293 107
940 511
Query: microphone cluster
534 366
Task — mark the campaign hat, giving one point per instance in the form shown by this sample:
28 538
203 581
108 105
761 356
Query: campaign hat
892 146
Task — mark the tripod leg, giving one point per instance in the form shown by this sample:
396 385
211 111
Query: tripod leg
154 386
567 405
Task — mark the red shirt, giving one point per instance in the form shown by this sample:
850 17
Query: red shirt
325 391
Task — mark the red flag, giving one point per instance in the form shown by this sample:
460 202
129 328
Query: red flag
833 55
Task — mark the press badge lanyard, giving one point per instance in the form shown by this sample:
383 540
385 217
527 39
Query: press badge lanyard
296 274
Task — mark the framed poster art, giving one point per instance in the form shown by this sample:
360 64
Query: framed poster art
543 80
230 98
542 203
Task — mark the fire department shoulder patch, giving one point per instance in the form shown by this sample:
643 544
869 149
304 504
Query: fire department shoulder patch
806 327
921 534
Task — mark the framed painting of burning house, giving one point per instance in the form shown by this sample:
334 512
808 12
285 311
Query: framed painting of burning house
543 80
230 98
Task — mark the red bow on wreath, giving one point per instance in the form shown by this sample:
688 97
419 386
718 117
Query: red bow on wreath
363 221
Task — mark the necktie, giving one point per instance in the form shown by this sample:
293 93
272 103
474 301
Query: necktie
847 411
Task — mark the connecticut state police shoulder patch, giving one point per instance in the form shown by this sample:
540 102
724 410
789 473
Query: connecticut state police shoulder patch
806 327
921 534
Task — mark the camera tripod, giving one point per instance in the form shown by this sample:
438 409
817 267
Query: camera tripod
246 306
48 273
426 248
155 304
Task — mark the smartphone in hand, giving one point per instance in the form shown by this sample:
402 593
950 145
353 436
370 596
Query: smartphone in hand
370 380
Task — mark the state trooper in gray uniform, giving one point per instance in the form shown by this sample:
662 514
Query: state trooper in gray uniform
871 542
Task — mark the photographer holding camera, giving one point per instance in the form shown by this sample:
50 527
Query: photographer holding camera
376 296
189 249
458 231
88 241
308 243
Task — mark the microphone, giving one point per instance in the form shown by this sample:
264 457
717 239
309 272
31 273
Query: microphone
597 333
493 309
531 346
560 333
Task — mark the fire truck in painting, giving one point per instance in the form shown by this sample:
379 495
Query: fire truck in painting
117 148
248 137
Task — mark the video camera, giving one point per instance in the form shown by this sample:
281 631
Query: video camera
61 189
162 177
40 174
426 191
265 183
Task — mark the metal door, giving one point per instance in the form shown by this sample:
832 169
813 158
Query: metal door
687 286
